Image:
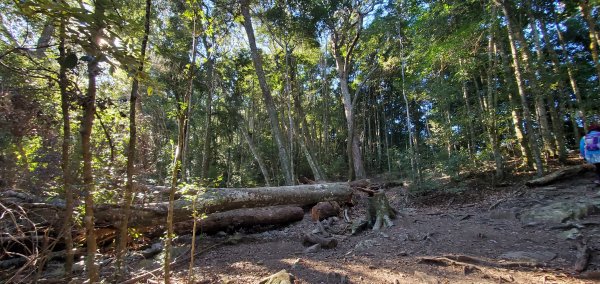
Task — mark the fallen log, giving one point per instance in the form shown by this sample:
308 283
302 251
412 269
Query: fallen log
560 174
213 200
246 217
208 201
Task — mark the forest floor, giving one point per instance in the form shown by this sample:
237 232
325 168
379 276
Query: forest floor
469 232
466 232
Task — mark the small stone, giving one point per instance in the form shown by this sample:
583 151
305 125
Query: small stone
296 263
259 262
312 249
571 234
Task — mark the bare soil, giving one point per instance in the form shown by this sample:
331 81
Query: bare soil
475 224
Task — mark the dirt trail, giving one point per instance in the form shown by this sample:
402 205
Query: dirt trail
537 228
467 234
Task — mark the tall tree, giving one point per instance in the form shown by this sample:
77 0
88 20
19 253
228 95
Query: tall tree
345 26
131 148
284 159
530 132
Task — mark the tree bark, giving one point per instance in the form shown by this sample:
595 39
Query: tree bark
517 118
66 146
131 149
255 153
243 217
492 101
531 135
266 92
222 199
585 12
566 97
572 78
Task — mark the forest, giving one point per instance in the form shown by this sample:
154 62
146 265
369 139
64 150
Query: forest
120 121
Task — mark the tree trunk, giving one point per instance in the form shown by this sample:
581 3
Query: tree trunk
266 92
304 137
89 108
492 101
539 95
566 97
213 200
531 135
206 147
585 12
131 149
183 112
66 145
471 144
572 76
243 217
517 118
255 153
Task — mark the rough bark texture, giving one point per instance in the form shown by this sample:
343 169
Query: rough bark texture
266 92
245 217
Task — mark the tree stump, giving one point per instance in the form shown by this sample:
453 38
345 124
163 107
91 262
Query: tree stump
380 213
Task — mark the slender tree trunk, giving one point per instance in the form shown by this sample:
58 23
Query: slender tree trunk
303 135
66 146
89 108
206 147
572 76
557 122
87 121
538 94
131 148
255 153
471 144
517 118
585 12
492 101
183 112
531 135
266 92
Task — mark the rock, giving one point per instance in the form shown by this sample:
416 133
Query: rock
425 278
281 277
365 245
538 257
559 212
336 278
312 249
571 234
510 214
296 263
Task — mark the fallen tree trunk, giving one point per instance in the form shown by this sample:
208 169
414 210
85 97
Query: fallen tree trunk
208 201
560 174
246 217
